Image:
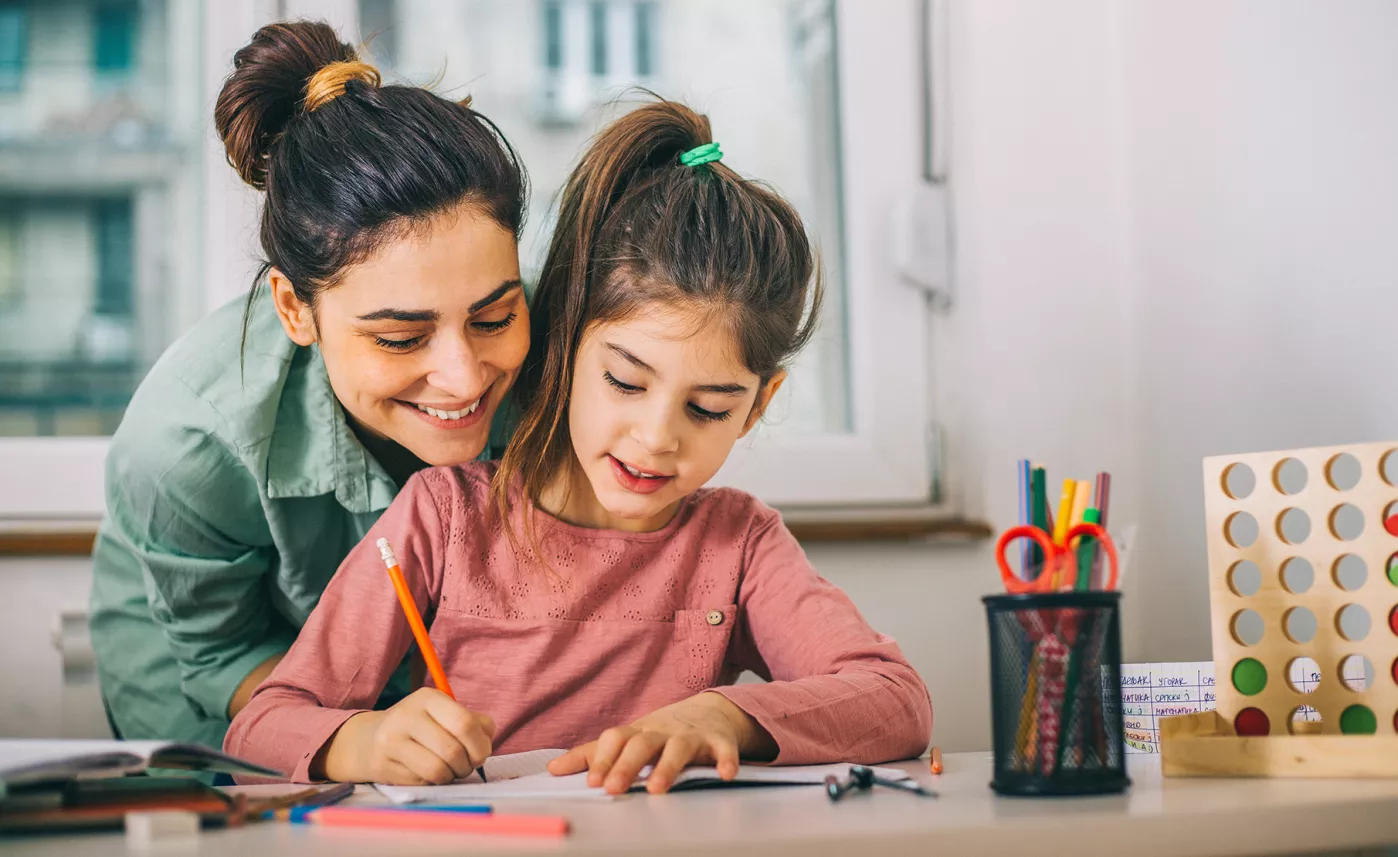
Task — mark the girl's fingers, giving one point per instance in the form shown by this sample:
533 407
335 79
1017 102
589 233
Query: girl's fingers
640 751
471 729
679 751
725 758
574 761
428 733
609 747
424 763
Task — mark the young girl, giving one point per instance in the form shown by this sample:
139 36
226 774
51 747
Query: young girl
610 601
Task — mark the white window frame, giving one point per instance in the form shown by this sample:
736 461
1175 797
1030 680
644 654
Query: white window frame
887 457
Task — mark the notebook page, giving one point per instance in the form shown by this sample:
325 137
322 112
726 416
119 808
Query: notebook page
575 786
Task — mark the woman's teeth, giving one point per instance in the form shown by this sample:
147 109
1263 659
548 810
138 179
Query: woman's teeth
449 415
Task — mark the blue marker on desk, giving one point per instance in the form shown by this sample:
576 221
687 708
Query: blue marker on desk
298 815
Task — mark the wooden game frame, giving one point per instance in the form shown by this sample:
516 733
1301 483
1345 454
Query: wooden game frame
1208 743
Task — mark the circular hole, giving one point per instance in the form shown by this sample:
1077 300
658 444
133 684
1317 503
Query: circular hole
1298 574
1343 472
1388 467
1240 529
1358 720
1349 572
1305 721
1252 721
1353 622
1390 518
1290 476
1300 624
1239 481
1347 522
1247 627
1245 578
1357 673
1393 569
1249 676
1303 674
1294 526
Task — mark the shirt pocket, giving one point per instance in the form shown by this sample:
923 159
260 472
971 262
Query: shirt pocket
701 644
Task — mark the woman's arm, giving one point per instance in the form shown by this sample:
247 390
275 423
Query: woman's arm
839 690
345 653
186 511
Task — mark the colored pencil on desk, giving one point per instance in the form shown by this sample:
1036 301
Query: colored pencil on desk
395 818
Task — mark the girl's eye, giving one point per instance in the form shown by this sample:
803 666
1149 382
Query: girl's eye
494 326
709 416
398 344
625 388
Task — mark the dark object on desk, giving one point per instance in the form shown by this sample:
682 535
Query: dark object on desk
863 778
1055 685
102 804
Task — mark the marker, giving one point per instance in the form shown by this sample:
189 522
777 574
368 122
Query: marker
398 818
936 761
299 815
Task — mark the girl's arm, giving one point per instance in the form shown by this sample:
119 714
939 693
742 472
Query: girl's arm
351 643
839 690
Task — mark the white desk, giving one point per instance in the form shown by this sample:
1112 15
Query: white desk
1173 817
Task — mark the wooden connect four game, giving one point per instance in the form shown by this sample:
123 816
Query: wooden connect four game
1303 582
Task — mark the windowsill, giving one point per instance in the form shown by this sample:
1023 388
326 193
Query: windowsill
893 524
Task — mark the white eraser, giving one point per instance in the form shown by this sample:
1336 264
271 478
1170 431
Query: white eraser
147 830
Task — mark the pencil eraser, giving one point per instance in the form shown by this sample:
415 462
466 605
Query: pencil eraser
149 830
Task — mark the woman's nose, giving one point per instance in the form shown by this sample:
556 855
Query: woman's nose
456 369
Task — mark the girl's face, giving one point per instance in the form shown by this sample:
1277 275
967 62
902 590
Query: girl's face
657 403
423 339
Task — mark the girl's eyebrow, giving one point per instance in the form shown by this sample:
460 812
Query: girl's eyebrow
390 314
724 389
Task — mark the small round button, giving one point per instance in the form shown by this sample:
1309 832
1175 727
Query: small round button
715 617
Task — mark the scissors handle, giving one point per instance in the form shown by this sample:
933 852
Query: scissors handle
1013 583
1097 532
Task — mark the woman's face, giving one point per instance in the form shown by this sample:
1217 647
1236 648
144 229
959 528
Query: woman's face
423 339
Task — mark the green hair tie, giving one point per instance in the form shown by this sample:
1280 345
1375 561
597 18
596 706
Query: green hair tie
701 155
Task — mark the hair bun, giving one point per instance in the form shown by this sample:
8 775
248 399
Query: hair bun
272 76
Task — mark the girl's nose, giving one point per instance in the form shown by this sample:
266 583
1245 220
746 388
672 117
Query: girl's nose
655 431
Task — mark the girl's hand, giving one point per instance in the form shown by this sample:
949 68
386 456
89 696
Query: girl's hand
705 729
427 737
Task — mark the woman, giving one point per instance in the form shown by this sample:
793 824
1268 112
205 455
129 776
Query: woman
263 444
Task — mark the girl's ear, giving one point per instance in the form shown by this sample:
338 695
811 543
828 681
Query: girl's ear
296 317
764 398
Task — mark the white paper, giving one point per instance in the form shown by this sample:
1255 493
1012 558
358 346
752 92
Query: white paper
546 785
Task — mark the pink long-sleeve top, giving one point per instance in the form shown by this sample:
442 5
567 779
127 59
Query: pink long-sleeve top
617 625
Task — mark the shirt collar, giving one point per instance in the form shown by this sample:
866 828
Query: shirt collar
313 449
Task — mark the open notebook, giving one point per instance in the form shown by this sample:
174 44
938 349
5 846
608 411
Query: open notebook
522 775
26 763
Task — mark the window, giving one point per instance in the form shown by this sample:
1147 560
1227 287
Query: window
851 424
13 45
114 36
100 232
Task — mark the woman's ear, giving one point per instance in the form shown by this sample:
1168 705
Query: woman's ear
296 316
764 398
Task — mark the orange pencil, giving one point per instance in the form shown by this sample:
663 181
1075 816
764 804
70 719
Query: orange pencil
424 645
446 822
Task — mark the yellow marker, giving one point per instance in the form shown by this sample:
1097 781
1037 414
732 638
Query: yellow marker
1082 497
1064 519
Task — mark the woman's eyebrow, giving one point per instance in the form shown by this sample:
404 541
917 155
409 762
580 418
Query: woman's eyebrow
725 389
391 314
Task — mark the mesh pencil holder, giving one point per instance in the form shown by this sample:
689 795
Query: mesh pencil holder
1055 679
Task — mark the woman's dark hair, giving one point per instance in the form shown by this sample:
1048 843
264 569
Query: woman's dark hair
636 226
346 163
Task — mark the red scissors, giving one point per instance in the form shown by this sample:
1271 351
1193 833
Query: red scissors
1060 570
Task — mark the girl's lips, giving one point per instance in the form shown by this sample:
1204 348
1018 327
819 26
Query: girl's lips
636 484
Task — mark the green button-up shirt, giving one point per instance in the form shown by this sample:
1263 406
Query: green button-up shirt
234 489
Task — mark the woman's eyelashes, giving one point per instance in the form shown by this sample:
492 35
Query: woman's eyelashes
699 413
408 343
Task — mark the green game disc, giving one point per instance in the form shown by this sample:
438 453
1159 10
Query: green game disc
1249 676
1358 720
